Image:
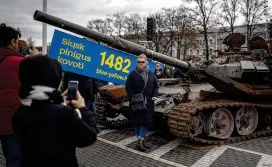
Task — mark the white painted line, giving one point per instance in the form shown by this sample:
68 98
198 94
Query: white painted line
132 139
141 153
106 131
210 157
249 151
166 148
265 161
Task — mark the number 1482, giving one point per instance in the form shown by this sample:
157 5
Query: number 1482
117 62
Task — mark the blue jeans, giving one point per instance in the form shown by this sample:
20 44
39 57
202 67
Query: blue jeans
90 105
141 132
11 150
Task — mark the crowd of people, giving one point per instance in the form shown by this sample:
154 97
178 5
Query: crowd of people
39 126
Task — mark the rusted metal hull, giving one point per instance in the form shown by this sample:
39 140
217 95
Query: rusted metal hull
180 119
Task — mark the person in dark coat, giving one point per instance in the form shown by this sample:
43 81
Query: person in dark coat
158 71
168 71
134 85
10 59
178 73
88 87
48 130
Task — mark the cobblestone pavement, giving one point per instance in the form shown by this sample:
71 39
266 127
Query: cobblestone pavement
117 148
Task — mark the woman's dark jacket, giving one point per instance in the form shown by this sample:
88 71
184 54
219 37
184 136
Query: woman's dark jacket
49 133
135 84
158 73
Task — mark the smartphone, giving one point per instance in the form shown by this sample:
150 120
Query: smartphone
72 90
24 50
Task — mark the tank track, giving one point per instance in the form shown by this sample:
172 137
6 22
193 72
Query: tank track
101 115
181 115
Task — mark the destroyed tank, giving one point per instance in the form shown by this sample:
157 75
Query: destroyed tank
235 105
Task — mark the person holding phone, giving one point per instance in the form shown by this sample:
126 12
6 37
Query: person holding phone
47 128
87 87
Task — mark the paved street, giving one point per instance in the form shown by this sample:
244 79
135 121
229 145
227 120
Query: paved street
116 148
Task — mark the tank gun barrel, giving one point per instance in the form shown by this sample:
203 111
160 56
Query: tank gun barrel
112 41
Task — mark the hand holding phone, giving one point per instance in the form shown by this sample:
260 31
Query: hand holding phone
76 103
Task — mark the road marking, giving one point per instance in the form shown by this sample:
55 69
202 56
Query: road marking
132 139
166 148
210 157
141 153
249 151
265 161
105 131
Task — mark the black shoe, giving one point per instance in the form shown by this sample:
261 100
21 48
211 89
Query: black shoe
140 146
145 146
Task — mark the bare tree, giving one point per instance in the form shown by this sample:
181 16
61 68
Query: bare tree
117 22
253 12
204 16
134 26
30 41
98 25
170 18
185 34
229 14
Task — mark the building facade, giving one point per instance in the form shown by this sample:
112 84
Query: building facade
197 47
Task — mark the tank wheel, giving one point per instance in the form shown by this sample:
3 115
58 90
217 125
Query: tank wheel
219 124
196 125
246 120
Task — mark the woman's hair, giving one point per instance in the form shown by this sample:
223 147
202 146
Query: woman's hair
40 70
7 34
142 56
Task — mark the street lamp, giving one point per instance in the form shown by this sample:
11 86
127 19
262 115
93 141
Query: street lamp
44 31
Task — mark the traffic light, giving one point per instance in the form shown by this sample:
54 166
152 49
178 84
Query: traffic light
150 22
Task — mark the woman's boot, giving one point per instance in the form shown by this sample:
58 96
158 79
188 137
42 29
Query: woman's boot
145 146
140 146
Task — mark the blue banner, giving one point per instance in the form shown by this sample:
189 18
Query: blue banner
88 58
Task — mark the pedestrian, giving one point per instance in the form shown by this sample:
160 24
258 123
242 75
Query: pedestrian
142 81
178 73
88 87
158 71
10 58
168 71
48 130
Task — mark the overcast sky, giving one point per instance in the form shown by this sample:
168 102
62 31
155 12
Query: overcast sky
19 13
